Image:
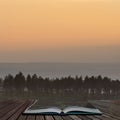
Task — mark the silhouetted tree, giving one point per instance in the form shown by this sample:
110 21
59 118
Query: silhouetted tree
8 83
98 84
106 85
29 83
0 81
35 85
19 82
115 87
89 86
78 84
86 85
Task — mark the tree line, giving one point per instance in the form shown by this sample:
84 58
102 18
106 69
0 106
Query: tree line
33 84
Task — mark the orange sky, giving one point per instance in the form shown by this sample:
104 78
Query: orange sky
45 26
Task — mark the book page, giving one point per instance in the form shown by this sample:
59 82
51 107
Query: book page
81 109
43 111
40 110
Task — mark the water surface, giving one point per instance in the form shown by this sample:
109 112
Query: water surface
54 70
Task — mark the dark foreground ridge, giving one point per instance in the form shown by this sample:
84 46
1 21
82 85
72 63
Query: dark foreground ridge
13 109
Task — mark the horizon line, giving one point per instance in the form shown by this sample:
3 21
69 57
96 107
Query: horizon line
58 62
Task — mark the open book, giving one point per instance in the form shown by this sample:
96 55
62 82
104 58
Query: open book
71 110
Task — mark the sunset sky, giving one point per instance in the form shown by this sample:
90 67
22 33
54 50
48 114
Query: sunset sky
59 30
